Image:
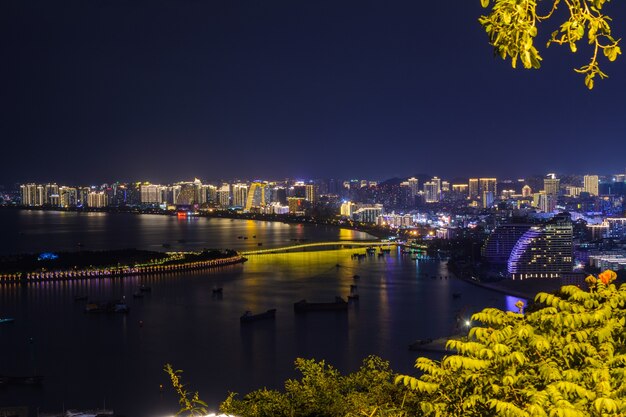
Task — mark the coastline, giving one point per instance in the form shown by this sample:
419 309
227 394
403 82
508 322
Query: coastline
118 272
375 231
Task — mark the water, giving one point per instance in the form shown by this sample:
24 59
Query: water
95 360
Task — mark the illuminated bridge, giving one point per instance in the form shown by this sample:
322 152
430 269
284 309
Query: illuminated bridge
342 243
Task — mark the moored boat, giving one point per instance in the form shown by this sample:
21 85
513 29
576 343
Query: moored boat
7 320
304 306
248 316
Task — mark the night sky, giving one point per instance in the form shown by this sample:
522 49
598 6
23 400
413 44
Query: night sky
98 91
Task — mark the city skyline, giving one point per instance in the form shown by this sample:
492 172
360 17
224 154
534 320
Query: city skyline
279 89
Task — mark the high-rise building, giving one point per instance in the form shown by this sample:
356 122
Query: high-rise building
461 189
487 185
413 186
51 195
473 188
527 191
296 205
543 251
223 195
591 183
498 246
240 195
68 197
97 199
487 199
368 214
551 186
258 196
347 209
311 193
151 194
29 195
431 192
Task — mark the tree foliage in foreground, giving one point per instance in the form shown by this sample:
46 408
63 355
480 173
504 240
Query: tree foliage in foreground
568 359
512 28
323 391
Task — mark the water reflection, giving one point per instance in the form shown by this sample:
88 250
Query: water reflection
87 357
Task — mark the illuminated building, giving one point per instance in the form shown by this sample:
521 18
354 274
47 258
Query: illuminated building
527 191
572 191
591 183
97 199
151 194
544 201
431 192
487 199
296 205
211 193
279 195
460 189
240 195
445 186
507 194
258 196
551 186
29 195
68 197
487 185
498 246
83 195
187 195
41 198
543 251
395 220
223 195
413 184
368 214
311 193
473 188
51 194
347 209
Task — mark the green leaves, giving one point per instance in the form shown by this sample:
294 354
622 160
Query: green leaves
511 27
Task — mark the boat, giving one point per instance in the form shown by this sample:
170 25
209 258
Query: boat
138 294
145 288
110 307
260 244
7 320
370 250
218 290
356 276
304 306
248 316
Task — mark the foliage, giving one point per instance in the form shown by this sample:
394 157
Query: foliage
512 27
567 359
323 391
191 405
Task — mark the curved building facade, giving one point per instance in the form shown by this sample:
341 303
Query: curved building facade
543 251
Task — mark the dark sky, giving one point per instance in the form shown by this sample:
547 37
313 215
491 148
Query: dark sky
160 90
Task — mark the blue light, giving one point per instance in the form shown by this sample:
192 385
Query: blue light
47 256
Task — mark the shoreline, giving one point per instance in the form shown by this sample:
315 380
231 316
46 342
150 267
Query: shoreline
121 272
225 214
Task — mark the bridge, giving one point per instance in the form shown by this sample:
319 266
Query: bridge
341 243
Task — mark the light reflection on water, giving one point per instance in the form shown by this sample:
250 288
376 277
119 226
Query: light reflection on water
86 359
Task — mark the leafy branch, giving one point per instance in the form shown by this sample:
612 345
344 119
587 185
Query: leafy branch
189 403
512 28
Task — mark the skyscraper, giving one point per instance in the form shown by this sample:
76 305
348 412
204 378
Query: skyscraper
591 183
551 186
543 251
473 188
311 193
